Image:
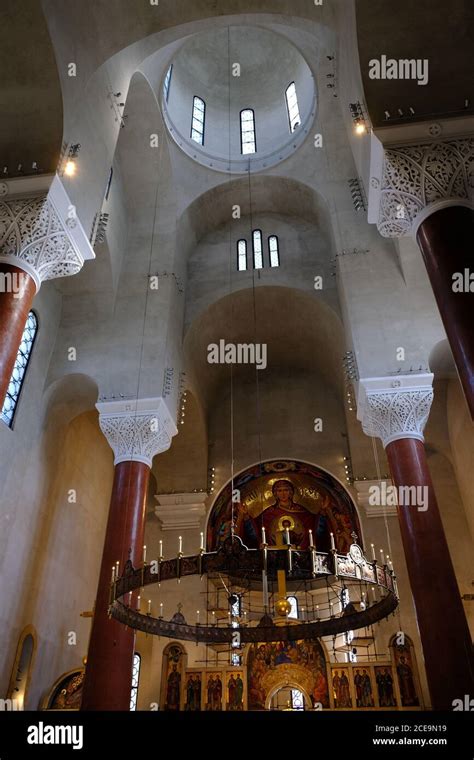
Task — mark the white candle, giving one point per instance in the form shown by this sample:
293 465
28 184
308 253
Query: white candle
149 605
129 598
373 551
311 542
144 554
113 573
197 616
202 541
180 544
333 545
388 561
373 593
264 537
161 609
117 569
381 556
317 612
161 549
138 603
287 536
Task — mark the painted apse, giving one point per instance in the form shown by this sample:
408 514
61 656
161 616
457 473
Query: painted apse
280 494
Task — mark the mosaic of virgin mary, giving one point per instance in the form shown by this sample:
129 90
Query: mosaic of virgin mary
305 499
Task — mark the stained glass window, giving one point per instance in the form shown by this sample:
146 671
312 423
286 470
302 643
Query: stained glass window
135 679
297 699
198 120
247 131
273 250
19 370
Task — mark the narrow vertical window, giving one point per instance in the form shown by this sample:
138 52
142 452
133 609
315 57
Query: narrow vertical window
273 250
242 255
109 182
198 120
135 681
292 105
257 249
247 132
167 82
19 370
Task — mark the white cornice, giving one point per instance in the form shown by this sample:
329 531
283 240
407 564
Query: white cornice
181 511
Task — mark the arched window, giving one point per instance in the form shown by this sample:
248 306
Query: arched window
248 141
257 249
167 82
292 106
137 661
293 613
274 251
22 669
241 255
19 370
198 120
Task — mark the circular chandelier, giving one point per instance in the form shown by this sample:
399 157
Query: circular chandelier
253 569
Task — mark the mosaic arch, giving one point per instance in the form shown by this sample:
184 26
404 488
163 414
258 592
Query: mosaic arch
280 494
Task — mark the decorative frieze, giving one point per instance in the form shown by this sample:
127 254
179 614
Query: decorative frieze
41 233
418 179
391 408
136 430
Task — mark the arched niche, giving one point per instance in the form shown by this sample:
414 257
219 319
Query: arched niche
173 676
406 669
22 667
253 501
275 665
66 691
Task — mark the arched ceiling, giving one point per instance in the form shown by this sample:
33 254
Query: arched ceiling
264 194
301 332
31 122
440 32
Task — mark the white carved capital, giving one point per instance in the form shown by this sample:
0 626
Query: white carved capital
41 233
416 180
181 511
136 430
391 408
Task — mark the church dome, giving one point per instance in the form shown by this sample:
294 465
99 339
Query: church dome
237 79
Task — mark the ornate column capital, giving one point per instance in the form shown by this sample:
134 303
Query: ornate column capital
391 408
40 232
410 182
136 429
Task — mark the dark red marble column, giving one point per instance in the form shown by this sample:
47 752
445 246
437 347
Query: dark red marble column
108 678
444 632
14 308
446 239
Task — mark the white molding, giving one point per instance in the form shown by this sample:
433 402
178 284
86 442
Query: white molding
77 236
373 510
181 511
